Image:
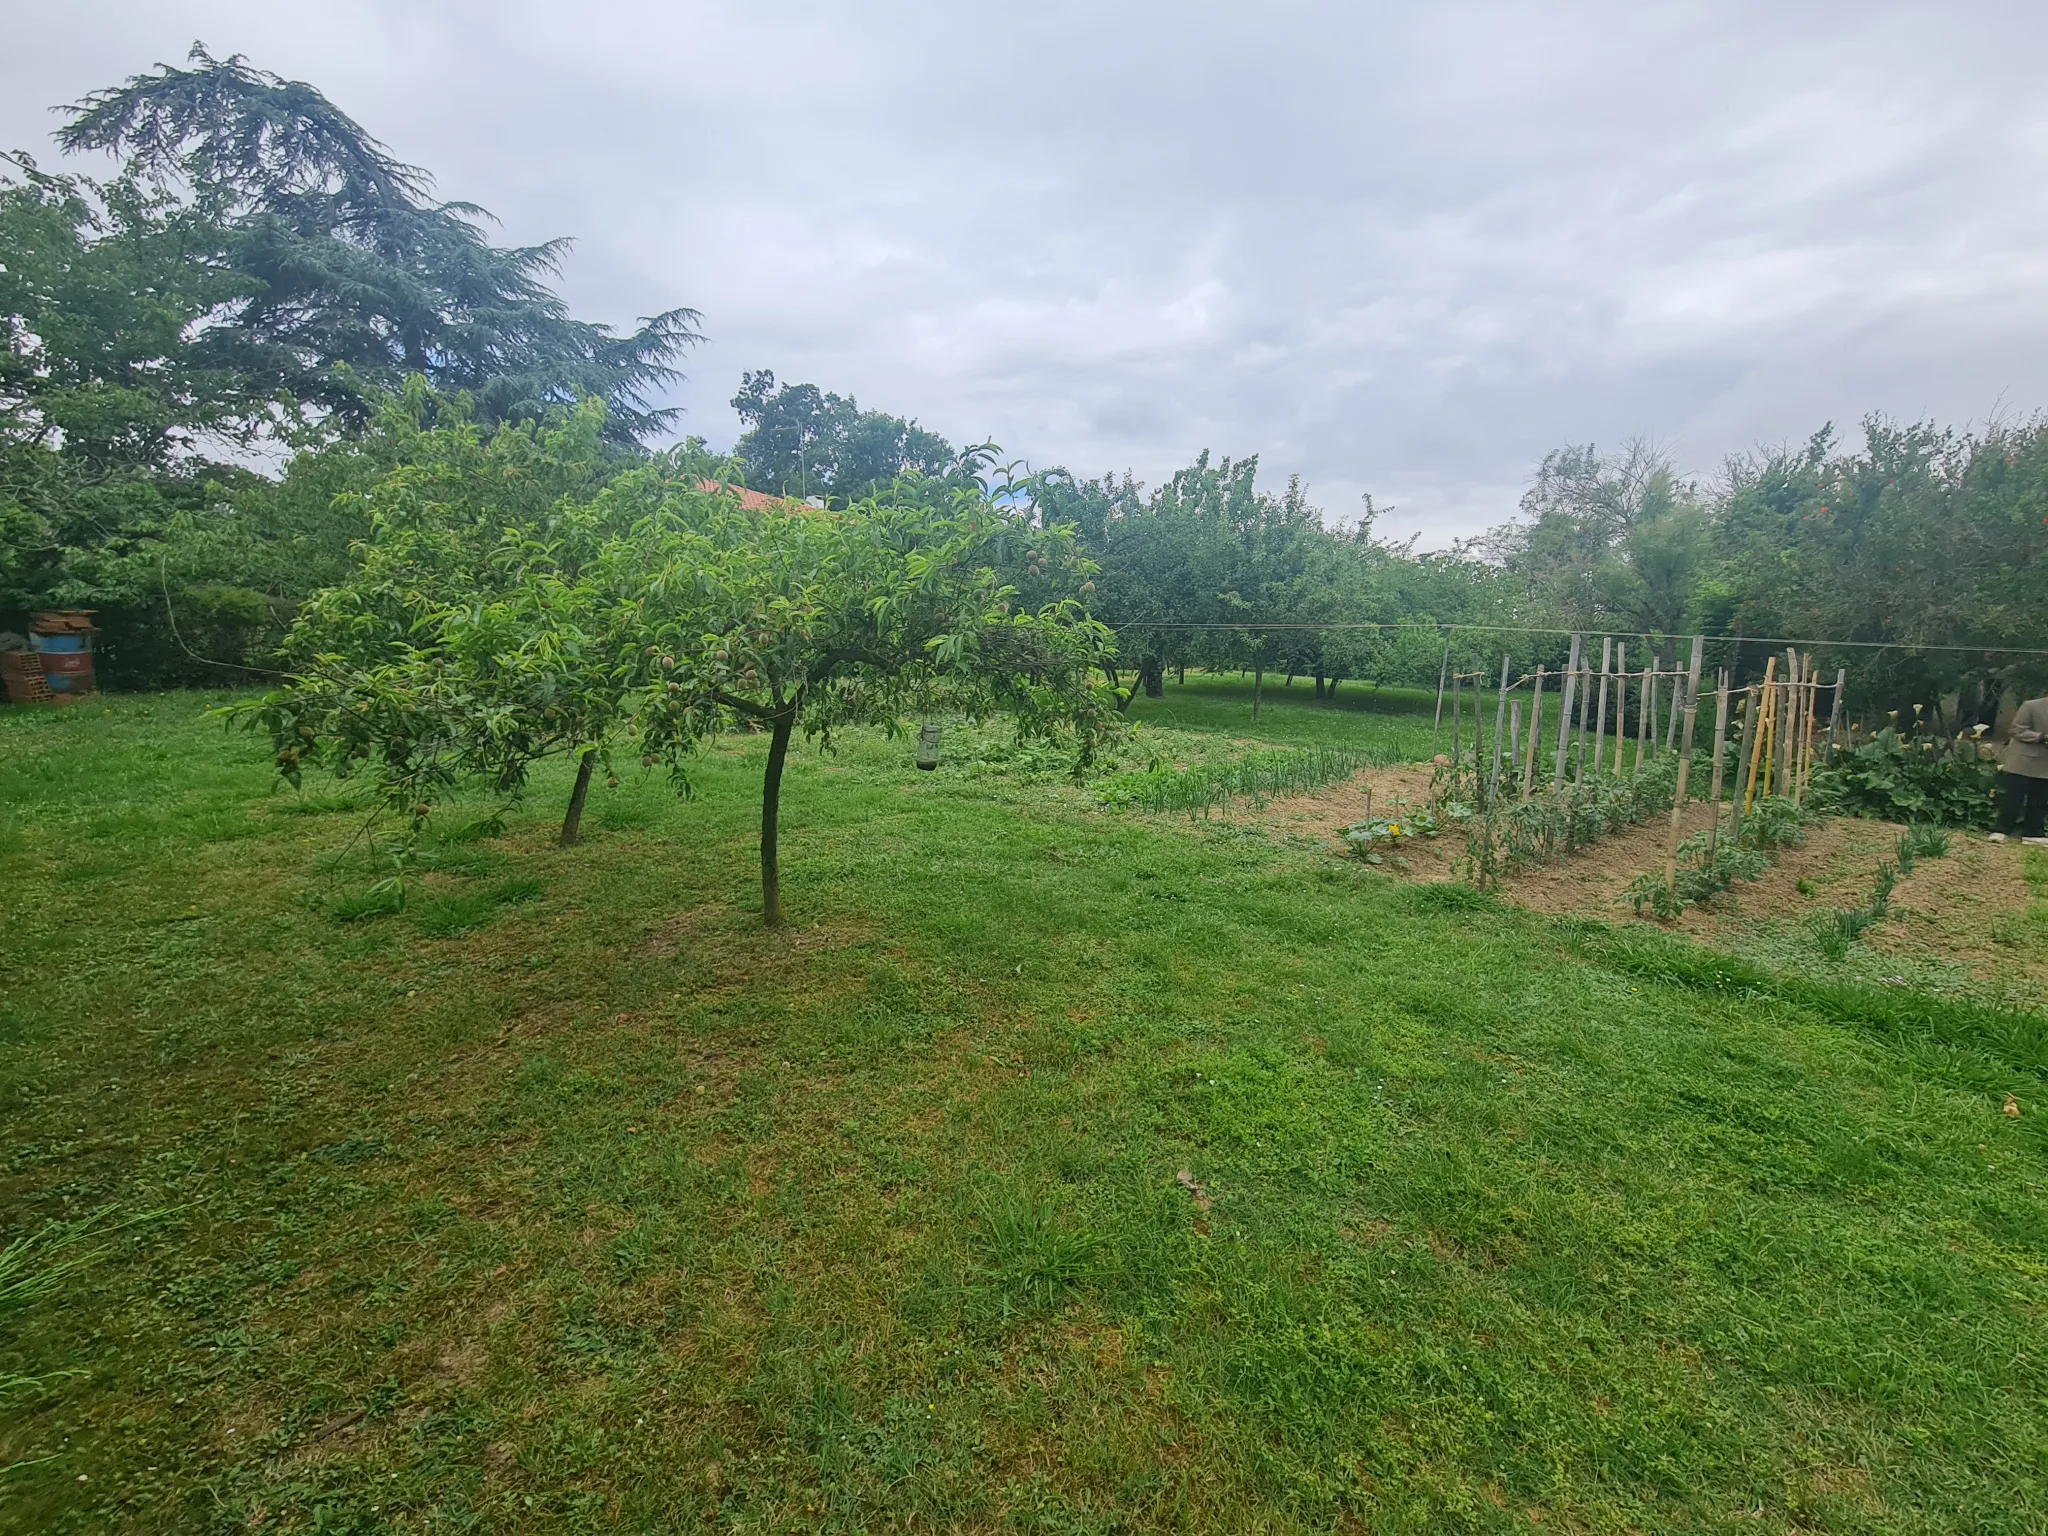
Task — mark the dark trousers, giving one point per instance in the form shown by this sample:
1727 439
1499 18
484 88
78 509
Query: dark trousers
2022 804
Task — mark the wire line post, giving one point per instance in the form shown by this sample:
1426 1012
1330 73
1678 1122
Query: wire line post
1564 713
1787 700
1456 743
1535 736
1620 705
1744 756
1600 725
1690 694
1759 728
1646 709
1500 716
1720 750
1443 672
1677 705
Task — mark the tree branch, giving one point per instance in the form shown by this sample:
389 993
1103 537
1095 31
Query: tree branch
744 706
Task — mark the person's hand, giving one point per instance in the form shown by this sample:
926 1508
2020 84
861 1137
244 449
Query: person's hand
2030 737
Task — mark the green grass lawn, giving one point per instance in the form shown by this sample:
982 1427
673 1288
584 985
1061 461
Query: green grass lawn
1221 703
567 1199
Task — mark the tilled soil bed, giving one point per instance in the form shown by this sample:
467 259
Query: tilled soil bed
1969 908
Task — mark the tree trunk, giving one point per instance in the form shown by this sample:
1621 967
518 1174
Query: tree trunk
1152 672
1333 687
1258 684
1181 674
572 824
771 807
1319 685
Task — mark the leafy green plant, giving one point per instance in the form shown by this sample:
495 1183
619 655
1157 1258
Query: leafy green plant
1909 779
1775 822
1382 834
1834 932
1650 890
1516 835
1706 867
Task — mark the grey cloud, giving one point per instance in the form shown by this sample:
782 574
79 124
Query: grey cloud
1403 249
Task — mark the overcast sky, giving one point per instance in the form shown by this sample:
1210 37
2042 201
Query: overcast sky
1402 249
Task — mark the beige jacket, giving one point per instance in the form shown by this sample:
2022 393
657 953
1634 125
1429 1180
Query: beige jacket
2028 758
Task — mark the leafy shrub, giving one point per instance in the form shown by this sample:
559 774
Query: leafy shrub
1910 780
1703 873
1775 822
1649 890
1554 825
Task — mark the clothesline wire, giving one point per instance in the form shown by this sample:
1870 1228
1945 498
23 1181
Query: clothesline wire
1447 630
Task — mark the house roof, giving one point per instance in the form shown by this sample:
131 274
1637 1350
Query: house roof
753 501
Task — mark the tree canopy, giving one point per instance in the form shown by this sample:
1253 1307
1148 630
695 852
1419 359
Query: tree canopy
803 442
257 278
348 275
481 631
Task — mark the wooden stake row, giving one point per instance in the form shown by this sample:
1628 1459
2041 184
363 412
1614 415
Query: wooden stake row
1778 722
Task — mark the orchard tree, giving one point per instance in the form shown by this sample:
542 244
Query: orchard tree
465 644
814 619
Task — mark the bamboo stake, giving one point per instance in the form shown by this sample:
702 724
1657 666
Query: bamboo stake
1646 706
1585 718
1760 700
1455 740
1744 763
1436 731
1799 730
1805 728
1620 703
1774 701
1809 711
1600 723
1578 755
1836 711
1564 716
1795 715
1720 750
1535 735
1692 712
1515 732
1677 703
1781 724
1499 719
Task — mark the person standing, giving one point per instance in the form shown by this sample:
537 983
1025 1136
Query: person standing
2023 777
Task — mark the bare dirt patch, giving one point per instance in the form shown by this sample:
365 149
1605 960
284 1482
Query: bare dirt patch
1964 908
1324 814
